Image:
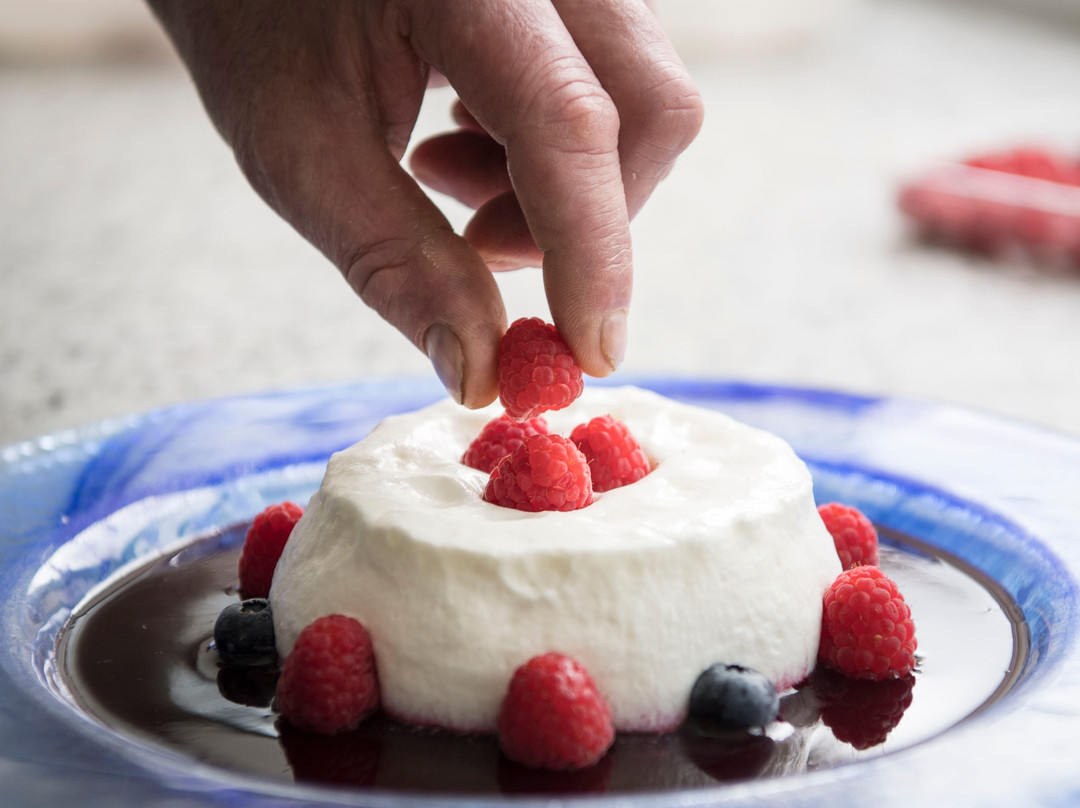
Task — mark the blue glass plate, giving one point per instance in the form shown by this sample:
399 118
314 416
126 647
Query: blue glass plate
77 507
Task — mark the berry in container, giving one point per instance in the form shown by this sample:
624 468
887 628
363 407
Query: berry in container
1016 204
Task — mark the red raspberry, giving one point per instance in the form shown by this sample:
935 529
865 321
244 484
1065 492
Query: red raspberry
615 457
866 630
553 717
262 548
537 372
499 438
853 534
328 683
545 473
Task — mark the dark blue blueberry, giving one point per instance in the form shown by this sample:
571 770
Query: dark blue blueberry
244 633
733 697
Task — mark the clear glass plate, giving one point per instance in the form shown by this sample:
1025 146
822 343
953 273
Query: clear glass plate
78 507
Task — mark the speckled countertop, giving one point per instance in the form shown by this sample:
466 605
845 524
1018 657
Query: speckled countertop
137 269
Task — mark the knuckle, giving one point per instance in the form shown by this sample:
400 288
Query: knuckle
669 118
573 112
586 117
379 272
685 111
676 115
373 270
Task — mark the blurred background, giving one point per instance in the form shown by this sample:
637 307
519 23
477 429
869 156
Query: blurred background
137 268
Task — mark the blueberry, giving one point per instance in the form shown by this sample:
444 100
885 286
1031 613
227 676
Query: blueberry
733 697
244 633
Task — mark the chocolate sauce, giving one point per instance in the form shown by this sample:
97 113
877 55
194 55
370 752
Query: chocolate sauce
138 658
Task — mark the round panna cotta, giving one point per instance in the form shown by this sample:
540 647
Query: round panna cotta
717 555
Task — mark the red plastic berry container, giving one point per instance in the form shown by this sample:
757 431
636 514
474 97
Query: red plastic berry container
1022 204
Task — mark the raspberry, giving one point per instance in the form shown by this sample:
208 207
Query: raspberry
262 548
553 717
545 473
615 457
853 534
537 372
328 683
499 438
866 630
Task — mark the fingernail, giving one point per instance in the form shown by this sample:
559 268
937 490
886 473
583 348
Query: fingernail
613 338
443 349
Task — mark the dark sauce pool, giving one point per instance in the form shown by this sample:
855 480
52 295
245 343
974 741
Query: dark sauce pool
136 656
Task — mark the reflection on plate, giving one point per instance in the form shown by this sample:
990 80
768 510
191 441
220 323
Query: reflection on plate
135 656
75 508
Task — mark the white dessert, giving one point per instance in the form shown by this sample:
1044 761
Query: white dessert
718 555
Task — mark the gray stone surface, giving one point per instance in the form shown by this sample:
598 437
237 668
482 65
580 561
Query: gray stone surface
137 269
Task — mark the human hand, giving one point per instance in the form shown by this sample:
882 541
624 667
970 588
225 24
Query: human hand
576 109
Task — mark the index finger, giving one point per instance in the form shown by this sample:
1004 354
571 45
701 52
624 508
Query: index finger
519 72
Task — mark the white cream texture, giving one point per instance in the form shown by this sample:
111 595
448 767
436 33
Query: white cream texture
718 555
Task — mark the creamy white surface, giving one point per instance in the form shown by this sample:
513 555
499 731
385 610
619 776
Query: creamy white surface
718 555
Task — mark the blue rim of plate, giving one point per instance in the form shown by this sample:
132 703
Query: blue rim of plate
77 506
